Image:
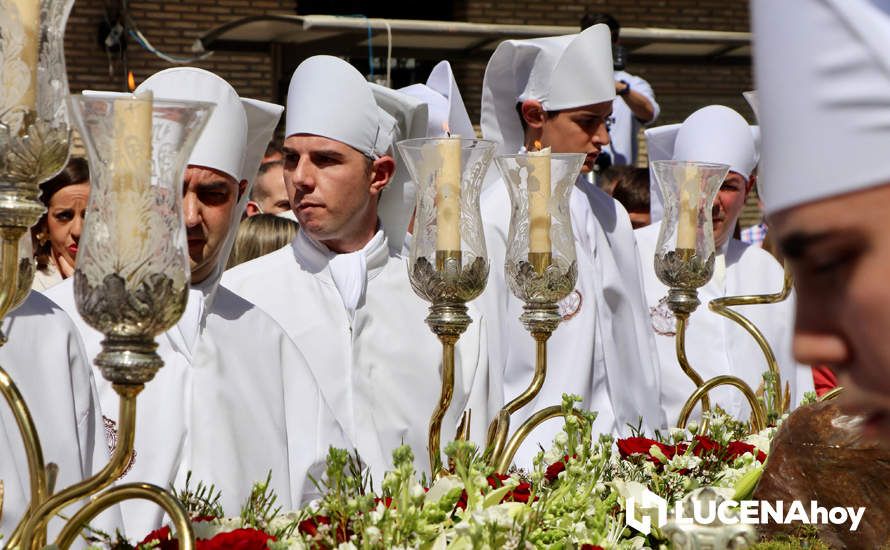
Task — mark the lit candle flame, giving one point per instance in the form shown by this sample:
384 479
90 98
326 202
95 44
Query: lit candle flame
446 129
538 146
131 81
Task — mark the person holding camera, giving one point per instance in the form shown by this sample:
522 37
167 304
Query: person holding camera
637 105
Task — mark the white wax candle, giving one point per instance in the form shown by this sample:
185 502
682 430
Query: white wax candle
448 194
539 201
29 16
687 227
131 168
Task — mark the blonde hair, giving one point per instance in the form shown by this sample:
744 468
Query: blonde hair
259 235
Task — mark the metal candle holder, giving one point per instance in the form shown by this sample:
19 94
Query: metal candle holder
448 265
540 278
35 147
684 262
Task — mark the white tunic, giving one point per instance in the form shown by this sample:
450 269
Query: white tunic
716 345
379 368
604 352
217 408
45 360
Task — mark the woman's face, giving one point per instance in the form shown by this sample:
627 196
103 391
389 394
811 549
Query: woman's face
64 220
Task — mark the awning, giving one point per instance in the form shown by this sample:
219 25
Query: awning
339 35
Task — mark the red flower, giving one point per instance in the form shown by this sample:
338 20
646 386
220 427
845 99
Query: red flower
736 449
310 526
641 445
591 547
239 539
553 471
705 445
164 537
522 493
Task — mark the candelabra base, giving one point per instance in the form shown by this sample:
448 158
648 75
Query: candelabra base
128 360
683 301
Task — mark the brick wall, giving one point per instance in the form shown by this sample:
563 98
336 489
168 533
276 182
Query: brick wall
172 26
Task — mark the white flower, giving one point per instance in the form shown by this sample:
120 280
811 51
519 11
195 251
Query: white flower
678 434
442 487
416 490
681 462
373 534
561 439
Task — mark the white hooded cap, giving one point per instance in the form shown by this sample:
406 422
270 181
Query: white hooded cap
446 106
562 72
715 134
823 77
328 97
409 120
225 143
233 141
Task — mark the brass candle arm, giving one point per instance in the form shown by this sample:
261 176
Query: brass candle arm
502 462
178 516
758 415
721 307
447 286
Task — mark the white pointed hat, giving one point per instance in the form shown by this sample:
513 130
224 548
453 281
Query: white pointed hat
446 106
828 133
562 72
409 118
715 134
233 141
328 97
229 141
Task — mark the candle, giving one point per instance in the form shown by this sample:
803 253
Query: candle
448 194
539 201
688 223
29 16
131 168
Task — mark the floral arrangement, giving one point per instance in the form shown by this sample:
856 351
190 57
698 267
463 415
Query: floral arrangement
574 497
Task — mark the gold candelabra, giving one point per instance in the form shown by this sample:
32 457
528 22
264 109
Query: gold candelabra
541 269
684 261
448 264
129 303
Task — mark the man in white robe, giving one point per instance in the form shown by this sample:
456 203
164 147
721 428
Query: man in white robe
45 360
716 345
235 398
341 289
559 91
826 185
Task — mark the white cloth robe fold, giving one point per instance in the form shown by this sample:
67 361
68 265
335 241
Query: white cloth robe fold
380 370
217 408
716 345
45 360
604 353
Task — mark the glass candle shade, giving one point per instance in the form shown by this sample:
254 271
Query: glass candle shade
684 255
448 259
540 264
132 276
34 129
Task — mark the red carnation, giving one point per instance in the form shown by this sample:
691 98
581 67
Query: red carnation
736 449
591 547
521 493
554 470
310 526
239 539
705 445
163 537
641 445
